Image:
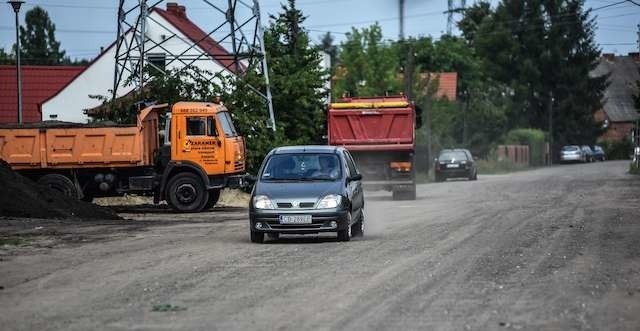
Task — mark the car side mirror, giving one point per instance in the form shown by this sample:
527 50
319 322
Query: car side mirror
356 177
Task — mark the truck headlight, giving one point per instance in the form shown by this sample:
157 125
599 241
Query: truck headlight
262 202
330 201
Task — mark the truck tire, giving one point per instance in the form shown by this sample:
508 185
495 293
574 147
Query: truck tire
214 196
186 193
59 183
404 194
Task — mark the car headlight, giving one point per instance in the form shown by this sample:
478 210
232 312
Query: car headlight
262 202
330 201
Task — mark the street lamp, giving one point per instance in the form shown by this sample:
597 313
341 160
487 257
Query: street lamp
16 4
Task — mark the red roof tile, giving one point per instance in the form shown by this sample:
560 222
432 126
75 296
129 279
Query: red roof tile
176 15
38 84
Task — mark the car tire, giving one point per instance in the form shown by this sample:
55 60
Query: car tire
357 230
186 193
273 235
214 196
257 237
345 234
59 183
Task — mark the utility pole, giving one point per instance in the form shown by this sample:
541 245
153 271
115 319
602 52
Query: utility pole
401 20
16 8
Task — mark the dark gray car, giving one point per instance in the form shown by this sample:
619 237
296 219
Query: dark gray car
307 189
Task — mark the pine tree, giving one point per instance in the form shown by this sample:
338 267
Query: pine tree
544 50
38 41
296 76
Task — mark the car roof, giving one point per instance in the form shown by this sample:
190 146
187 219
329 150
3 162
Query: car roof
454 150
306 149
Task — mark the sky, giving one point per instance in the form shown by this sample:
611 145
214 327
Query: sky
83 26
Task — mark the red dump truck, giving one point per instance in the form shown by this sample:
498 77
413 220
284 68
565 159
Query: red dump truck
380 134
198 154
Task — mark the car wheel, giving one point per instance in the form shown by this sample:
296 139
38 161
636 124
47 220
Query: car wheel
357 230
257 237
345 234
186 193
273 235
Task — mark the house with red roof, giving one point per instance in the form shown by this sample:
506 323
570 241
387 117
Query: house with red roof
39 83
170 27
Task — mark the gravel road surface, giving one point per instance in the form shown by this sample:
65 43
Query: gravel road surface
555 248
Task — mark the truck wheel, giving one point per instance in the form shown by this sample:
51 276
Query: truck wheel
214 196
186 193
59 183
257 237
405 194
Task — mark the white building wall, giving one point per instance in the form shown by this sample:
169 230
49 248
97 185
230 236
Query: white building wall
70 103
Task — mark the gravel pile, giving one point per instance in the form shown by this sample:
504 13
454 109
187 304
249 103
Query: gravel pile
21 197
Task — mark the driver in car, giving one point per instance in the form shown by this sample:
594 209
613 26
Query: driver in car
327 167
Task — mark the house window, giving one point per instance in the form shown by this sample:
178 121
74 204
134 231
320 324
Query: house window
157 60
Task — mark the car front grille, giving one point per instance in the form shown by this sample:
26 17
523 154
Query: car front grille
301 205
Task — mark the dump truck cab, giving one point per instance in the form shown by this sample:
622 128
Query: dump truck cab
200 139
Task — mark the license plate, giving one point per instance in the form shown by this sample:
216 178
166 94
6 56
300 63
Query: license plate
453 165
295 219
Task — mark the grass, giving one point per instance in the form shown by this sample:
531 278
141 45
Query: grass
492 167
9 241
167 308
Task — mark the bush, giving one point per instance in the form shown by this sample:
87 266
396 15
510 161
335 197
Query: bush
493 166
534 138
617 150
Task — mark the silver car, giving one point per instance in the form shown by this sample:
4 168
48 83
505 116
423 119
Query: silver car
572 153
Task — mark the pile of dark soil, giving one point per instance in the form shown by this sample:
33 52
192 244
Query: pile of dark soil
21 197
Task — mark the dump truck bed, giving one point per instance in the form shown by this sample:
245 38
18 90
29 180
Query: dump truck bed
65 145
383 124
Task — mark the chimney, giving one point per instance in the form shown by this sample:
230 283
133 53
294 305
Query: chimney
608 56
176 10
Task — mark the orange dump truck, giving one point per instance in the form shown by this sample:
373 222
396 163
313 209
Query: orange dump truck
187 164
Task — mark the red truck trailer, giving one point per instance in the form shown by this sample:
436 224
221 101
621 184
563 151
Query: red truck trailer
380 134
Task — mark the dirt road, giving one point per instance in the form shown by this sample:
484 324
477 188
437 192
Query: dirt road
555 248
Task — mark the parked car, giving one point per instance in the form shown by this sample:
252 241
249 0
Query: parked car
598 153
572 153
307 190
455 163
588 153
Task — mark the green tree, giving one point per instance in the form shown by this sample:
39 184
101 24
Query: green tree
369 66
6 58
297 79
327 45
472 19
37 39
544 52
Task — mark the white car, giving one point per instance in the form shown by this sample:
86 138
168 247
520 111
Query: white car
572 153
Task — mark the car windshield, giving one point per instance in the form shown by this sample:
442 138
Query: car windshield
301 167
453 156
570 148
